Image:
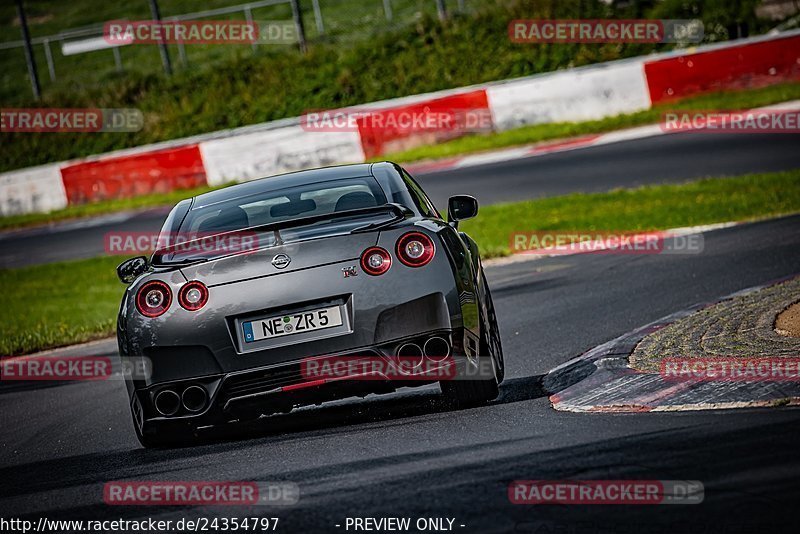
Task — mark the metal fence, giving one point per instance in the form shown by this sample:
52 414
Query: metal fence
68 57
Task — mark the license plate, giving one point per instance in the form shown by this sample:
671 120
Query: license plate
293 323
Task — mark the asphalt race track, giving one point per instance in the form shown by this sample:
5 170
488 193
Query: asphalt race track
662 159
408 455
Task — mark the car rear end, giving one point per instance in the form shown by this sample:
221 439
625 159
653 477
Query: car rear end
386 295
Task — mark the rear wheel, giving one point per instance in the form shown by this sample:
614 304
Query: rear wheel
495 345
466 393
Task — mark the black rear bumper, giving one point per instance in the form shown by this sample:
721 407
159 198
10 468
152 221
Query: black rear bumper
283 387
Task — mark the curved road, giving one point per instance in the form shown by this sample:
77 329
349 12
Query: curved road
662 159
408 455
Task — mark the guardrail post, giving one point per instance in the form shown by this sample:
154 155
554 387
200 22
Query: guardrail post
318 17
117 58
182 53
29 58
387 8
248 16
48 55
162 47
441 9
297 14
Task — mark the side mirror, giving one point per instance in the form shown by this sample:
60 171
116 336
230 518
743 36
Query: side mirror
129 270
460 207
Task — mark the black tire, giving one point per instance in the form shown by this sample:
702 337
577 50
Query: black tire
470 393
495 344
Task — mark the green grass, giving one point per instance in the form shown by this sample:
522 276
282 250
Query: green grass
730 100
61 303
647 208
58 304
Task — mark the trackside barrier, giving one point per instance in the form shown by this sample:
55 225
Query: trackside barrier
138 174
32 190
755 65
395 129
266 153
585 93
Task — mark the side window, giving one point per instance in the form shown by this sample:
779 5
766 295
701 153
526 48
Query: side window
424 203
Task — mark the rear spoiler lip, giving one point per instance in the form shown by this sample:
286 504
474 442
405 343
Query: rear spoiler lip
398 210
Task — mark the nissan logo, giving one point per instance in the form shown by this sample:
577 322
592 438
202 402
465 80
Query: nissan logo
281 261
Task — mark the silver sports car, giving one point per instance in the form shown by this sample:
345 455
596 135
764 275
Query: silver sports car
297 289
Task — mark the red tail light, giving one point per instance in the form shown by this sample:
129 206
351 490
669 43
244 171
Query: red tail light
153 298
193 296
415 249
376 261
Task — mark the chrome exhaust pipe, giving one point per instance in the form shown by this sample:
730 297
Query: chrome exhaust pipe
194 398
411 352
436 348
167 402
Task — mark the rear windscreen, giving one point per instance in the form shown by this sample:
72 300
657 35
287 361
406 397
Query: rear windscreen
307 200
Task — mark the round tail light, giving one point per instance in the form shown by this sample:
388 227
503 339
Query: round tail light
193 296
376 261
415 249
153 298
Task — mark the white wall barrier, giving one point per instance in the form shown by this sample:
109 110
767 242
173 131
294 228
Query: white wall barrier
35 189
583 94
265 153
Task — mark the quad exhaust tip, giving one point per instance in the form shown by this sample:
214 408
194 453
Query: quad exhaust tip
167 402
194 398
413 352
436 348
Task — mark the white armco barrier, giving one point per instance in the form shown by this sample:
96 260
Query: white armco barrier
588 93
35 189
265 153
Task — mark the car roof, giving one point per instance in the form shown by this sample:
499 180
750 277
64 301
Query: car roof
284 180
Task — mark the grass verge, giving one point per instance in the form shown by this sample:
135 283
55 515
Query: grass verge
730 100
61 303
659 207
58 304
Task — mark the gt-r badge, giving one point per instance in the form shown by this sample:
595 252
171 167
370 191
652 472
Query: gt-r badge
347 272
281 261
